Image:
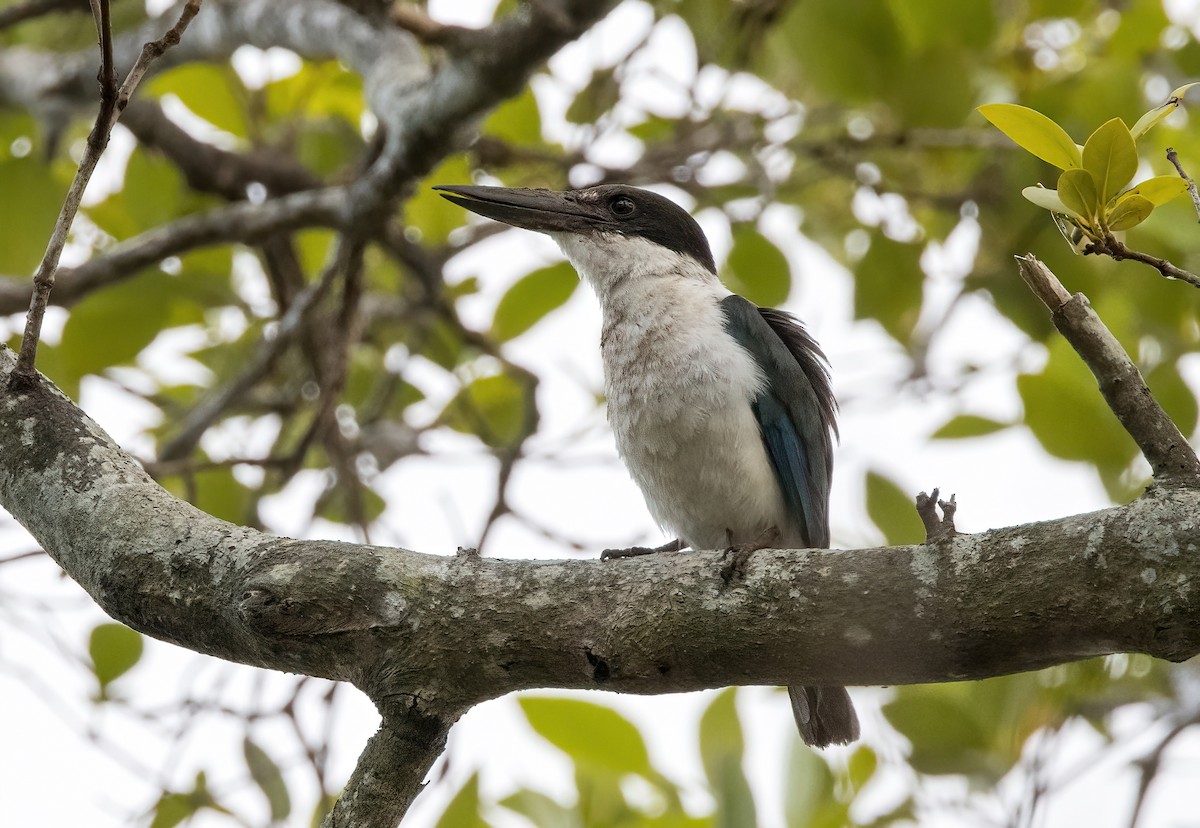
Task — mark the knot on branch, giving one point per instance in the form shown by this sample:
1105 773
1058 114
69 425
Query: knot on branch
318 589
937 529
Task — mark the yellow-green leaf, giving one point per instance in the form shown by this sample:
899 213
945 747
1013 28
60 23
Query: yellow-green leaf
1048 200
114 649
756 268
492 408
721 749
968 425
893 511
1158 190
1111 157
1035 133
463 809
591 734
1151 119
1077 191
532 297
1129 212
267 775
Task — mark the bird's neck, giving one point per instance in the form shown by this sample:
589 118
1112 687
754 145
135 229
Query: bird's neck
637 280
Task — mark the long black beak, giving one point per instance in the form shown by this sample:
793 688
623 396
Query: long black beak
546 211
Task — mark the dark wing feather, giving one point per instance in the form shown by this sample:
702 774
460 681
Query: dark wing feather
795 410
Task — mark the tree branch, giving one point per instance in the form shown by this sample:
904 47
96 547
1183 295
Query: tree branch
392 767
442 633
43 277
1172 460
1173 157
1119 251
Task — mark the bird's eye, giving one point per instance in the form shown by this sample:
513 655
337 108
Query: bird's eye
623 206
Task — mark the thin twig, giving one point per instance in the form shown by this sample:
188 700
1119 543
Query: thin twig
1111 246
43 278
1173 157
1151 762
1164 447
112 102
151 52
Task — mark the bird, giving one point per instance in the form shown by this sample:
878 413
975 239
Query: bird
723 412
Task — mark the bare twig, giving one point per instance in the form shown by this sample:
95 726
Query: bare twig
1173 157
151 52
1110 246
1164 447
1150 763
43 278
112 101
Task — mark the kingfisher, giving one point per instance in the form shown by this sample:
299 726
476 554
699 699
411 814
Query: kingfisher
722 411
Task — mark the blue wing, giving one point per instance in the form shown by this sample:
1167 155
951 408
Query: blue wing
795 410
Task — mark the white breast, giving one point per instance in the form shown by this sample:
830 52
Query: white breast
679 393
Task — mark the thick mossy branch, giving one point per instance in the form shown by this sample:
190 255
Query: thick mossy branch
449 631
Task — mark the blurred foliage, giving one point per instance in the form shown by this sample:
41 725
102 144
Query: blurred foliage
859 127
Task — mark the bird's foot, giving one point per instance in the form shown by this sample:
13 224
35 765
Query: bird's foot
738 554
937 529
636 551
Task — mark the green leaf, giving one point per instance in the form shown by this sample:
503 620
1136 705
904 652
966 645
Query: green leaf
1067 414
212 91
532 297
540 809
431 214
1158 190
492 408
592 735
721 751
1130 211
756 268
1049 200
1174 395
114 650
889 285
172 809
269 778
516 121
808 799
861 766
1077 190
1152 118
29 203
599 96
968 425
1035 133
946 736
112 326
463 809
893 511
1111 157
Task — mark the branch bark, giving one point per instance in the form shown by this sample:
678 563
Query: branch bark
1172 460
441 633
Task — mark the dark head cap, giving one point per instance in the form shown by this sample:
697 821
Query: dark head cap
609 208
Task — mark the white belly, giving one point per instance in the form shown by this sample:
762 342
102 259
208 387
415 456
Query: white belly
680 407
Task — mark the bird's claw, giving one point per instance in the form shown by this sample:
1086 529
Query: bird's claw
937 529
637 551
738 554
